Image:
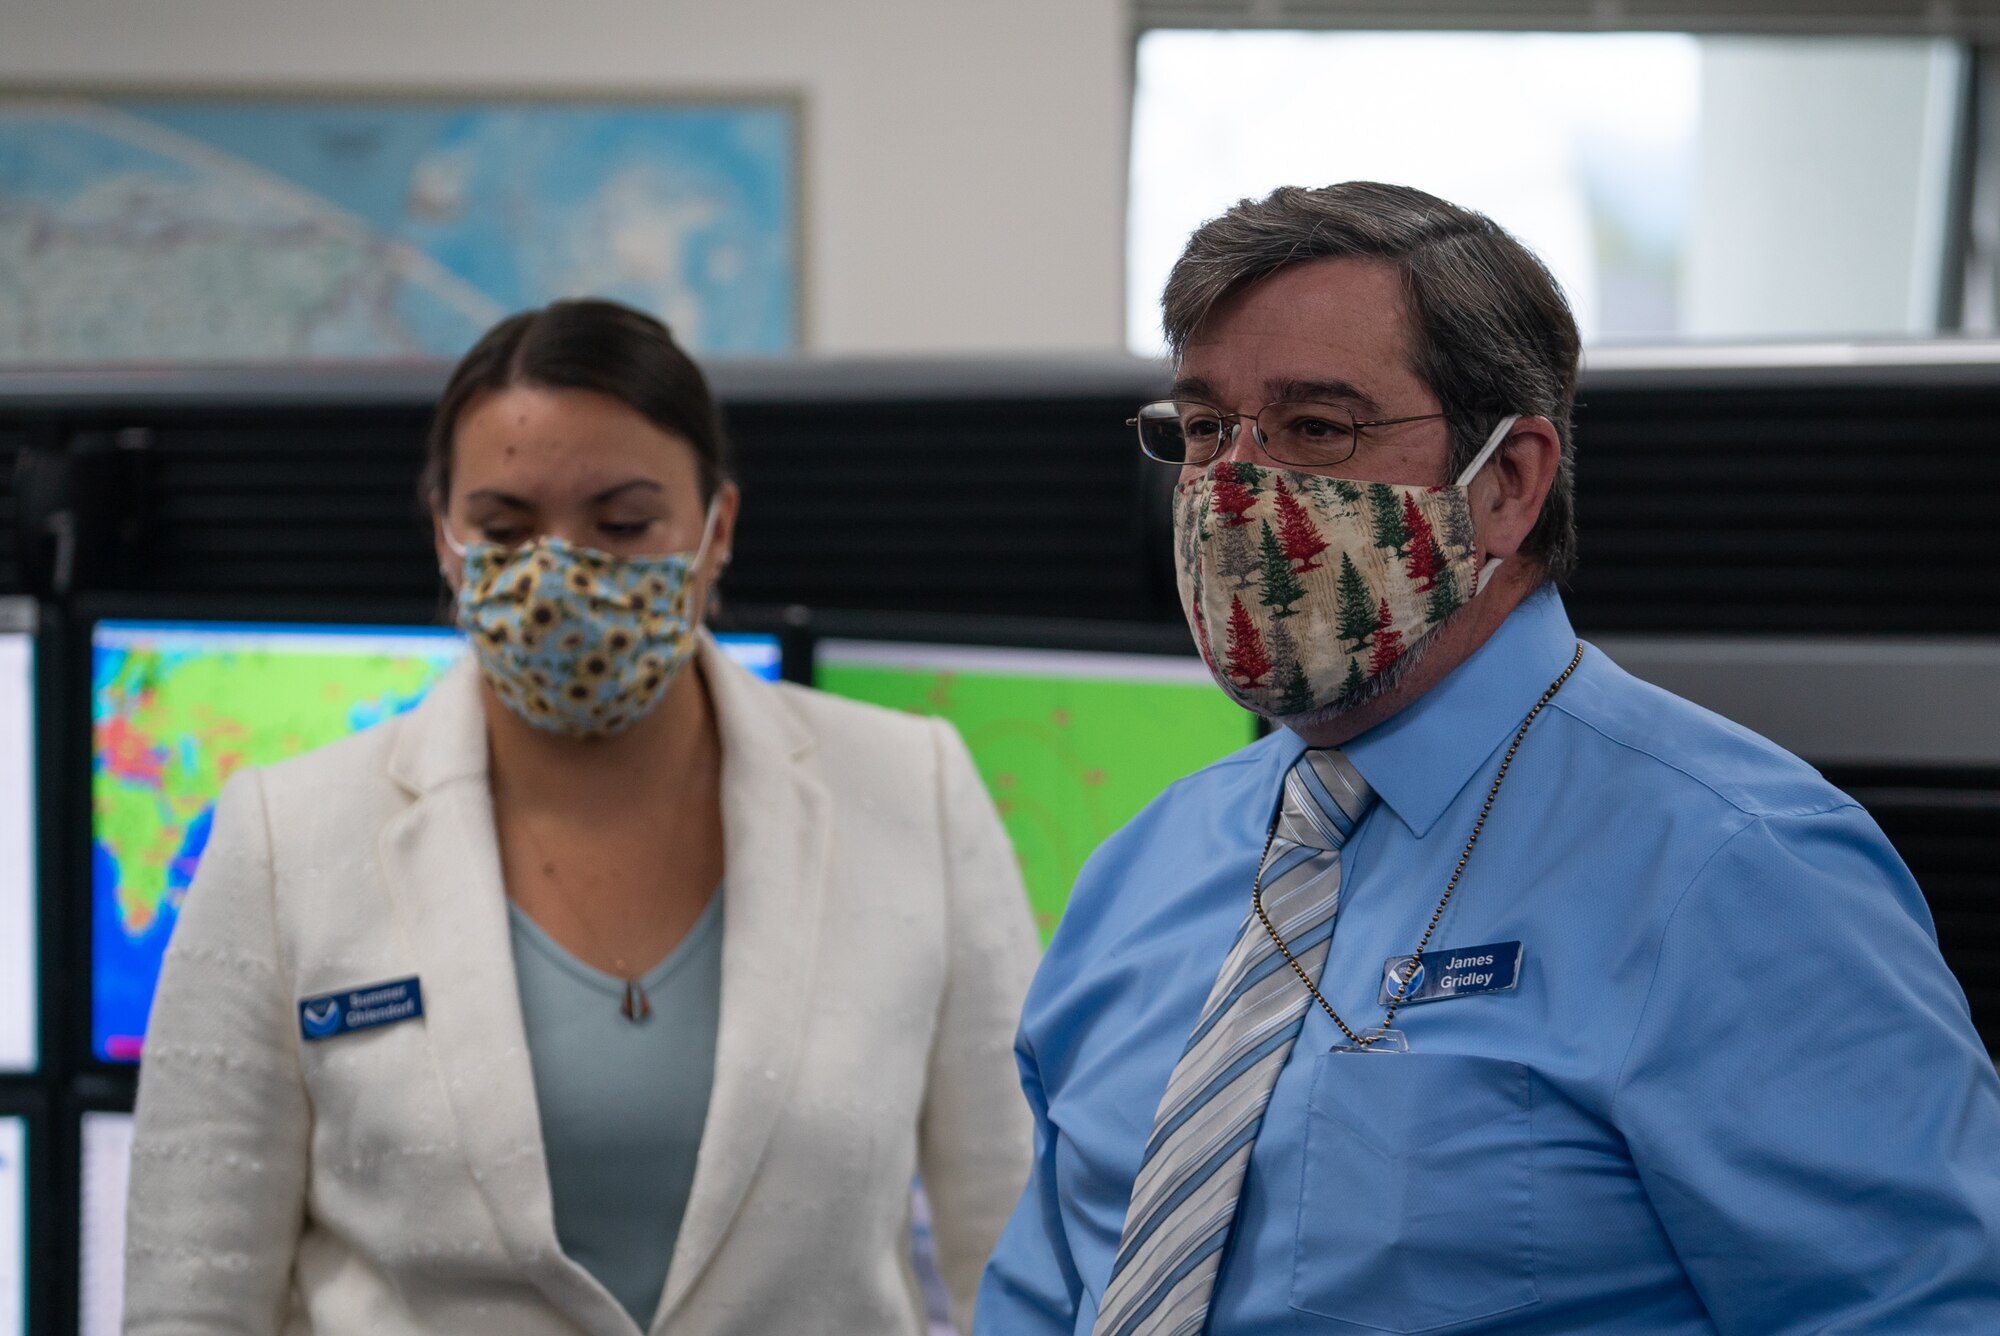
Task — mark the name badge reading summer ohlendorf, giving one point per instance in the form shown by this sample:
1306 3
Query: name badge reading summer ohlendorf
332 1014
1458 972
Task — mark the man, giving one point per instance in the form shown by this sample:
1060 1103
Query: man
1677 1053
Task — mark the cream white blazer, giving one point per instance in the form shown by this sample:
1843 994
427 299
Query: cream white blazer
876 947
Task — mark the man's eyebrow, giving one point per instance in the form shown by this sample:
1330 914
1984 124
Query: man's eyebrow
1334 391
1290 390
636 484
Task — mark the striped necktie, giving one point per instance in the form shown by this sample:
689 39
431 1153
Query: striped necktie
1185 1195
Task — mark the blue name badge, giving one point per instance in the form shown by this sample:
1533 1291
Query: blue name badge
1459 972
332 1014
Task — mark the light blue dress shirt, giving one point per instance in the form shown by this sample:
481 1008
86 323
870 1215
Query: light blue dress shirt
1736 1090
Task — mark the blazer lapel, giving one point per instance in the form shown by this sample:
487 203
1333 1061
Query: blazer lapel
441 858
775 816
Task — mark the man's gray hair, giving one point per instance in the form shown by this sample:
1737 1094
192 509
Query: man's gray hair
1490 332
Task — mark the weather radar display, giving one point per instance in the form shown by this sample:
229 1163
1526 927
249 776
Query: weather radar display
177 708
1071 745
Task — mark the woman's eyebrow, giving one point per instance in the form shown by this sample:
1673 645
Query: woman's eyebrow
498 498
636 484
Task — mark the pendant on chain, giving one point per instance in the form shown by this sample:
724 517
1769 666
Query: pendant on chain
636 1007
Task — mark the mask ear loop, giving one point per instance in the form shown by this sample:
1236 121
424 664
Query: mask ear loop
453 546
1479 460
708 532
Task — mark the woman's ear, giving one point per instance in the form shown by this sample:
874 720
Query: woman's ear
450 565
722 538
721 544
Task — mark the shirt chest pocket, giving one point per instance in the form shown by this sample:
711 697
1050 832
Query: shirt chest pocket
1417 1207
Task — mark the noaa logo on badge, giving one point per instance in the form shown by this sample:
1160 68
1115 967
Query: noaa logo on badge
334 1014
1406 974
320 1018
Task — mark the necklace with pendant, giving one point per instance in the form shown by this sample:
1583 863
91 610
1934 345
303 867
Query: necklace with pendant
1384 1036
634 1006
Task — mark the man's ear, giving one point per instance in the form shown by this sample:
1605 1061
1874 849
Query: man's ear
1508 494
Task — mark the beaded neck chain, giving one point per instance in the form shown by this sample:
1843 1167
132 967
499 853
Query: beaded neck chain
1382 1033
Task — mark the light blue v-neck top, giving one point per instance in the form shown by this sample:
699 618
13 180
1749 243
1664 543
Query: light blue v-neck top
622 1105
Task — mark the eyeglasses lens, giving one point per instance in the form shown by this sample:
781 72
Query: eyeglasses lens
1164 436
1306 435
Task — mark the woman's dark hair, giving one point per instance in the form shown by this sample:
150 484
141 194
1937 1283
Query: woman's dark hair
584 345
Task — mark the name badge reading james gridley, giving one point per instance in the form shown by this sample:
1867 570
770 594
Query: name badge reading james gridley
1460 971
333 1014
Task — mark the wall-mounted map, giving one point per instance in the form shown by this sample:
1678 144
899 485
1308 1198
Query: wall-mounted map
282 229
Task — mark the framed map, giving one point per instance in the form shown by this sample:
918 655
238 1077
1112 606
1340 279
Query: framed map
180 228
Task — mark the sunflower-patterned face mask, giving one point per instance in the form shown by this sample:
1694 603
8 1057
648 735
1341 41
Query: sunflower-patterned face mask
576 641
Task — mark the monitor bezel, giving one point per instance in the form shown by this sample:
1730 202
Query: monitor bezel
979 630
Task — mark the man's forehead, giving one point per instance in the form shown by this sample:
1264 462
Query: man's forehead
1284 388
1345 295
1331 330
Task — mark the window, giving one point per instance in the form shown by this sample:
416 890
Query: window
1680 187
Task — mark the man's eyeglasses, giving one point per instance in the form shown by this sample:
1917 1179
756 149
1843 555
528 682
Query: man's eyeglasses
1303 434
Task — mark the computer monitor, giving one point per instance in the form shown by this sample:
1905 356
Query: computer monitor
1071 744
107 1170
755 650
19 976
179 706
13 1226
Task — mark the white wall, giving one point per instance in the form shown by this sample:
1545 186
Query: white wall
964 164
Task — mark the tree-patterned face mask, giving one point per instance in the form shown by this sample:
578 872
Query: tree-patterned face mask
576 641
1301 588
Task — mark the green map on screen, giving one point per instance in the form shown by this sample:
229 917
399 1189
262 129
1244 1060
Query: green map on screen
176 710
1071 745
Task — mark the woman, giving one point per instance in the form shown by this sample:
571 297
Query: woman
608 990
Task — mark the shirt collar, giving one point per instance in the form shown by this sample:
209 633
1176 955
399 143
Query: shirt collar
1419 760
